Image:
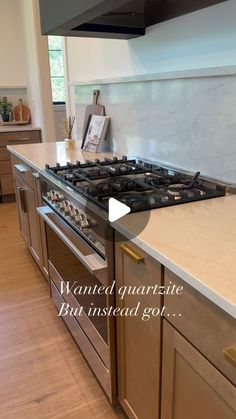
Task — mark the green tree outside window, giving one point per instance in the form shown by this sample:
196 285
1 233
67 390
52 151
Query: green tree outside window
56 68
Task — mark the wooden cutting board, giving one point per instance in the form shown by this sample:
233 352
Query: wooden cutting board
93 109
21 113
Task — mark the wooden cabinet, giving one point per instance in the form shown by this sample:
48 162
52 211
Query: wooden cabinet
6 177
191 386
205 325
28 198
138 341
197 349
29 228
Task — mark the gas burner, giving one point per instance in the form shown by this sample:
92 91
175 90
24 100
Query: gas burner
138 184
157 181
136 202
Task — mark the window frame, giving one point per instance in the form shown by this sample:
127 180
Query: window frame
54 77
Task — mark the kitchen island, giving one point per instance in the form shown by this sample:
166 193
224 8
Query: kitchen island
195 240
190 245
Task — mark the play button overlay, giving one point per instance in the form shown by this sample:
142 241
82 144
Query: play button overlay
116 209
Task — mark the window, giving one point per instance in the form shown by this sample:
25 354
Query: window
56 69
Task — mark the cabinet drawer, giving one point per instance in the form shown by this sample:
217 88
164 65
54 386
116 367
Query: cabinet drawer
23 170
4 154
19 137
7 184
205 325
5 167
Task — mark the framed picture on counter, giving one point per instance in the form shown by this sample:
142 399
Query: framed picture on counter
95 133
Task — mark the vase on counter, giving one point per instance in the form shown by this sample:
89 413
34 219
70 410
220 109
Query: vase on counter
67 127
69 143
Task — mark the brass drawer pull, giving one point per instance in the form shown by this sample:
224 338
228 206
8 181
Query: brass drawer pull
230 355
132 255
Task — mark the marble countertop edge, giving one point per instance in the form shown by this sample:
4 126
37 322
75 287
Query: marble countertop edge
20 156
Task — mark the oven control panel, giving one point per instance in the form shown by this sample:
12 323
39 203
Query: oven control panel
75 216
69 209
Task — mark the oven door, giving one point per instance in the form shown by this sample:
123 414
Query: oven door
73 262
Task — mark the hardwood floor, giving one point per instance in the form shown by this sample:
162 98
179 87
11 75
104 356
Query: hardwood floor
42 373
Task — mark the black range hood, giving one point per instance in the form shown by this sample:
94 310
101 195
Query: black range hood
120 19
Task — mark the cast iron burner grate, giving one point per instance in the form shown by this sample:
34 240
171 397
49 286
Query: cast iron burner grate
138 184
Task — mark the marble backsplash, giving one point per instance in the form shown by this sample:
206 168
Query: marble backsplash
188 123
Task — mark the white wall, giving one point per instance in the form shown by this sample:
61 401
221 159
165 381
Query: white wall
206 38
24 61
12 49
38 73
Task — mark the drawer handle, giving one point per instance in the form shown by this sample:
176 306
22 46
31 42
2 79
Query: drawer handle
132 255
21 168
22 199
230 355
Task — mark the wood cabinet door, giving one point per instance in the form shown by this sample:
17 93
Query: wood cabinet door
20 190
41 226
28 218
34 233
138 341
191 386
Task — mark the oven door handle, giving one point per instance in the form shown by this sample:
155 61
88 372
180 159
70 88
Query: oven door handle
93 262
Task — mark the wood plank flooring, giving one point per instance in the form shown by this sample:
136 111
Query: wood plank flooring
42 373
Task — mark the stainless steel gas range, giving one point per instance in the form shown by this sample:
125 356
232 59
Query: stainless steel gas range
81 242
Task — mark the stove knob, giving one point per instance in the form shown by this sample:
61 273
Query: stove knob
66 206
55 197
83 216
79 216
61 205
50 194
84 224
71 209
67 209
61 196
73 214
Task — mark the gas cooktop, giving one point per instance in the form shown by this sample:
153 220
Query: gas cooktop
138 184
